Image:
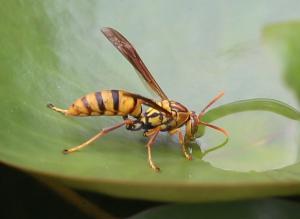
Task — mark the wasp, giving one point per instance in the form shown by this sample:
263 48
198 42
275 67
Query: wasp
164 115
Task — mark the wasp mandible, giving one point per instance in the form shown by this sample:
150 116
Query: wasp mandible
164 115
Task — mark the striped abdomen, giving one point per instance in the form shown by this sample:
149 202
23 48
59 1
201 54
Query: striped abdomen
106 102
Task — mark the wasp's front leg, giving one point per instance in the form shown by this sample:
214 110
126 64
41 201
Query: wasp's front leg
190 128
183 142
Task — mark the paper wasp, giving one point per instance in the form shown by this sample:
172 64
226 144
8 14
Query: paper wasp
164 115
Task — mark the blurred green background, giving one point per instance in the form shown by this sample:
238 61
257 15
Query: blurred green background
52 51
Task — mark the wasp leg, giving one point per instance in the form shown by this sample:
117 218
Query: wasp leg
127 126
183 144
100 134
51 106
149 146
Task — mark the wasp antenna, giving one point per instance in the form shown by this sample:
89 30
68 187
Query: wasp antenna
224 131
221 94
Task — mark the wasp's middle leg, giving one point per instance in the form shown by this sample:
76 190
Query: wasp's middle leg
149 146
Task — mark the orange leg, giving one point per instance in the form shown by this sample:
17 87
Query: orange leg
100 134
149 146
62 111
182 143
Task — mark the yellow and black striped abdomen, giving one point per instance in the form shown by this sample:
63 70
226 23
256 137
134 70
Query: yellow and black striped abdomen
106 102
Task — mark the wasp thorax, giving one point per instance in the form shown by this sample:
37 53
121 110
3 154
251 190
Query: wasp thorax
182 117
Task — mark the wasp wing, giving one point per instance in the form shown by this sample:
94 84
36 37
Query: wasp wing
129 52
150 103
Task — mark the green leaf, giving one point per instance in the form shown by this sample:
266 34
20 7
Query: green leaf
275 209
53 52
284 40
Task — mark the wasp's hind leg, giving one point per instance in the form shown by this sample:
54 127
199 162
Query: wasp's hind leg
100 134
128 126
56 109
136 125
182 142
